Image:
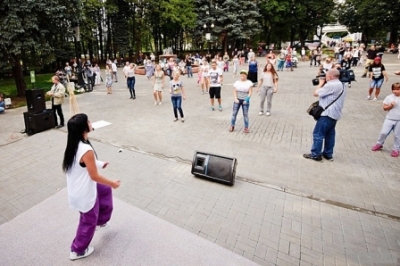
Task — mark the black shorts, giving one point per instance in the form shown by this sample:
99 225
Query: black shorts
215 92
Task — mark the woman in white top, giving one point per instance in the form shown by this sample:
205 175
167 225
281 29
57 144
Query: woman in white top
325 66
269 86
205 82
235 63
88 192
158 85
130 79
242 90
96 70
355 56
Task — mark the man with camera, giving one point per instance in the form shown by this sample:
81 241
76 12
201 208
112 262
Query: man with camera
331 91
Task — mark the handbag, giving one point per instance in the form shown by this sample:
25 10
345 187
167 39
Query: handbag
315 110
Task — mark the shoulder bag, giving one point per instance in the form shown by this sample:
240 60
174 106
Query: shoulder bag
315 110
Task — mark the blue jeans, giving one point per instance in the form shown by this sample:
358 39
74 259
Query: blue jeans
245 107
131 86
176 104
376 83
324 135
189 71
281 64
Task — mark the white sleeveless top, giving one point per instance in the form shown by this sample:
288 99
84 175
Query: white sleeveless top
82 190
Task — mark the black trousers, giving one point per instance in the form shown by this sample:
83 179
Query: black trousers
58 109
252 76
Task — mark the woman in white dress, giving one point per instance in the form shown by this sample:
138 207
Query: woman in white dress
158 85
205 83
96 70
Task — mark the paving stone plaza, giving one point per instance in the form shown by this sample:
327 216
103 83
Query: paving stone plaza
282 210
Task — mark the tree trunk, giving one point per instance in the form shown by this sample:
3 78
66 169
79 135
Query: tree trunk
100 28
18 76
225 42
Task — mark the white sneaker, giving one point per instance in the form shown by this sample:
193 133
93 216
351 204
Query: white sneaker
76 256
155 103
368 97
375 99
159 103
103 226
260 113
267 114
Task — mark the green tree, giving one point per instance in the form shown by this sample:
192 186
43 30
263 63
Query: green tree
371 17
294 20
27 30
235 22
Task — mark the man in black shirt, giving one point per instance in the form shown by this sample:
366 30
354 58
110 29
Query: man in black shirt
371 54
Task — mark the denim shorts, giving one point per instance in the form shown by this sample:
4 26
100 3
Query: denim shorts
376 83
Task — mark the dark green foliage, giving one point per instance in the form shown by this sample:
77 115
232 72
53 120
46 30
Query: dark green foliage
371 17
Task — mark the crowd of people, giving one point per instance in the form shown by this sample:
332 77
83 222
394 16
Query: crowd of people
167 74
91 193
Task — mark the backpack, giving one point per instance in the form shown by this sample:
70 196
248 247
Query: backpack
350 74
347 75
343 77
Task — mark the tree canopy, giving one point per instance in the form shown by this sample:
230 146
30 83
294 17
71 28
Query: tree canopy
34 33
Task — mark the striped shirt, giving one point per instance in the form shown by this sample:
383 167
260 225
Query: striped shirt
327 94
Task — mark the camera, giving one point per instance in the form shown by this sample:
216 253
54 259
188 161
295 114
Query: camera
315 81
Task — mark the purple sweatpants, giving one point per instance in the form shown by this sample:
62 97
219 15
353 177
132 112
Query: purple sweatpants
98 215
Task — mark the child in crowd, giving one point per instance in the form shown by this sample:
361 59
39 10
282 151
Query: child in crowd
177 94
281 61
289 62
391 104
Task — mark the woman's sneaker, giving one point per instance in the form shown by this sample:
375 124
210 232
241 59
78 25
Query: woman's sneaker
103 226
377 147
260 113
394 153
76 256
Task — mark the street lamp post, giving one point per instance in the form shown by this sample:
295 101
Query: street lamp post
208 34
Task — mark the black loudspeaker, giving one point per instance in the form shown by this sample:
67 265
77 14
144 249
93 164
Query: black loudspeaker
215 167
35 123
35 100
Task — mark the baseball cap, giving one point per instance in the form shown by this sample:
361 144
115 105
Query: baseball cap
243 71
377 59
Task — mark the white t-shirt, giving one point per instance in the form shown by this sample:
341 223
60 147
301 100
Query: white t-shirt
130 72
114 67
221 65
125 69
394 113
82 190
215 77
204 70
242 88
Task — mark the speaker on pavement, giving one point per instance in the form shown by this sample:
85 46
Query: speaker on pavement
214 167
35 100
35 123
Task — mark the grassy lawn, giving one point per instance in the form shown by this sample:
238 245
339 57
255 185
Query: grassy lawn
8 88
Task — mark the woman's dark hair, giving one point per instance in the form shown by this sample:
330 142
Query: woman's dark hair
77 126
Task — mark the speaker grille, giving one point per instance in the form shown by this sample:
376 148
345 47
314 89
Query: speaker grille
220 167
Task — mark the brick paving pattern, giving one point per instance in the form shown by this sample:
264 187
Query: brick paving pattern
283 209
